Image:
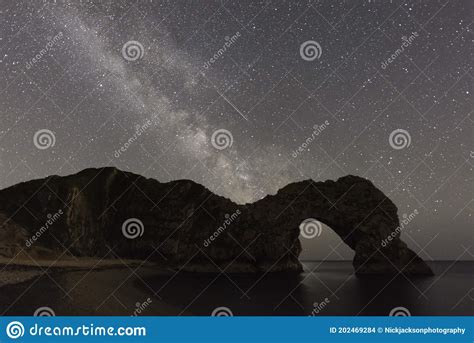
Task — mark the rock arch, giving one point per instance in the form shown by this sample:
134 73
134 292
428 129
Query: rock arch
361 215
199 231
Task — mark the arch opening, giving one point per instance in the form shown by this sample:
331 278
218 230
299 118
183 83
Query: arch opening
319 242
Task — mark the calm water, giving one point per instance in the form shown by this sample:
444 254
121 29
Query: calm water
117 291
449 292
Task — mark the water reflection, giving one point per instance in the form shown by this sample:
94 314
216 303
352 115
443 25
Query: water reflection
116 292
283 294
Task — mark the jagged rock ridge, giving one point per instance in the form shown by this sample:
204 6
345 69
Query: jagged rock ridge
189 227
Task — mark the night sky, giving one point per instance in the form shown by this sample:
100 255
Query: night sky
245 97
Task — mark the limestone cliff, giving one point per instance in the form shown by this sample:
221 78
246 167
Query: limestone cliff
187 226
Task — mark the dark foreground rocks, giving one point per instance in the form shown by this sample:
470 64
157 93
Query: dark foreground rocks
100 212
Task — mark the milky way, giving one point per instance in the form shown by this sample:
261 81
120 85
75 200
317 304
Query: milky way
245 97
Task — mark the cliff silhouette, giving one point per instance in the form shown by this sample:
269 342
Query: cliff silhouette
185 225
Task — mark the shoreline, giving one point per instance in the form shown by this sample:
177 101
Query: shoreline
86 287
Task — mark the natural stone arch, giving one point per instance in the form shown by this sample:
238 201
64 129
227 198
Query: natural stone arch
263 237
361 215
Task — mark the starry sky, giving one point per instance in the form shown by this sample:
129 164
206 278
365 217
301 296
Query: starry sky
245 97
